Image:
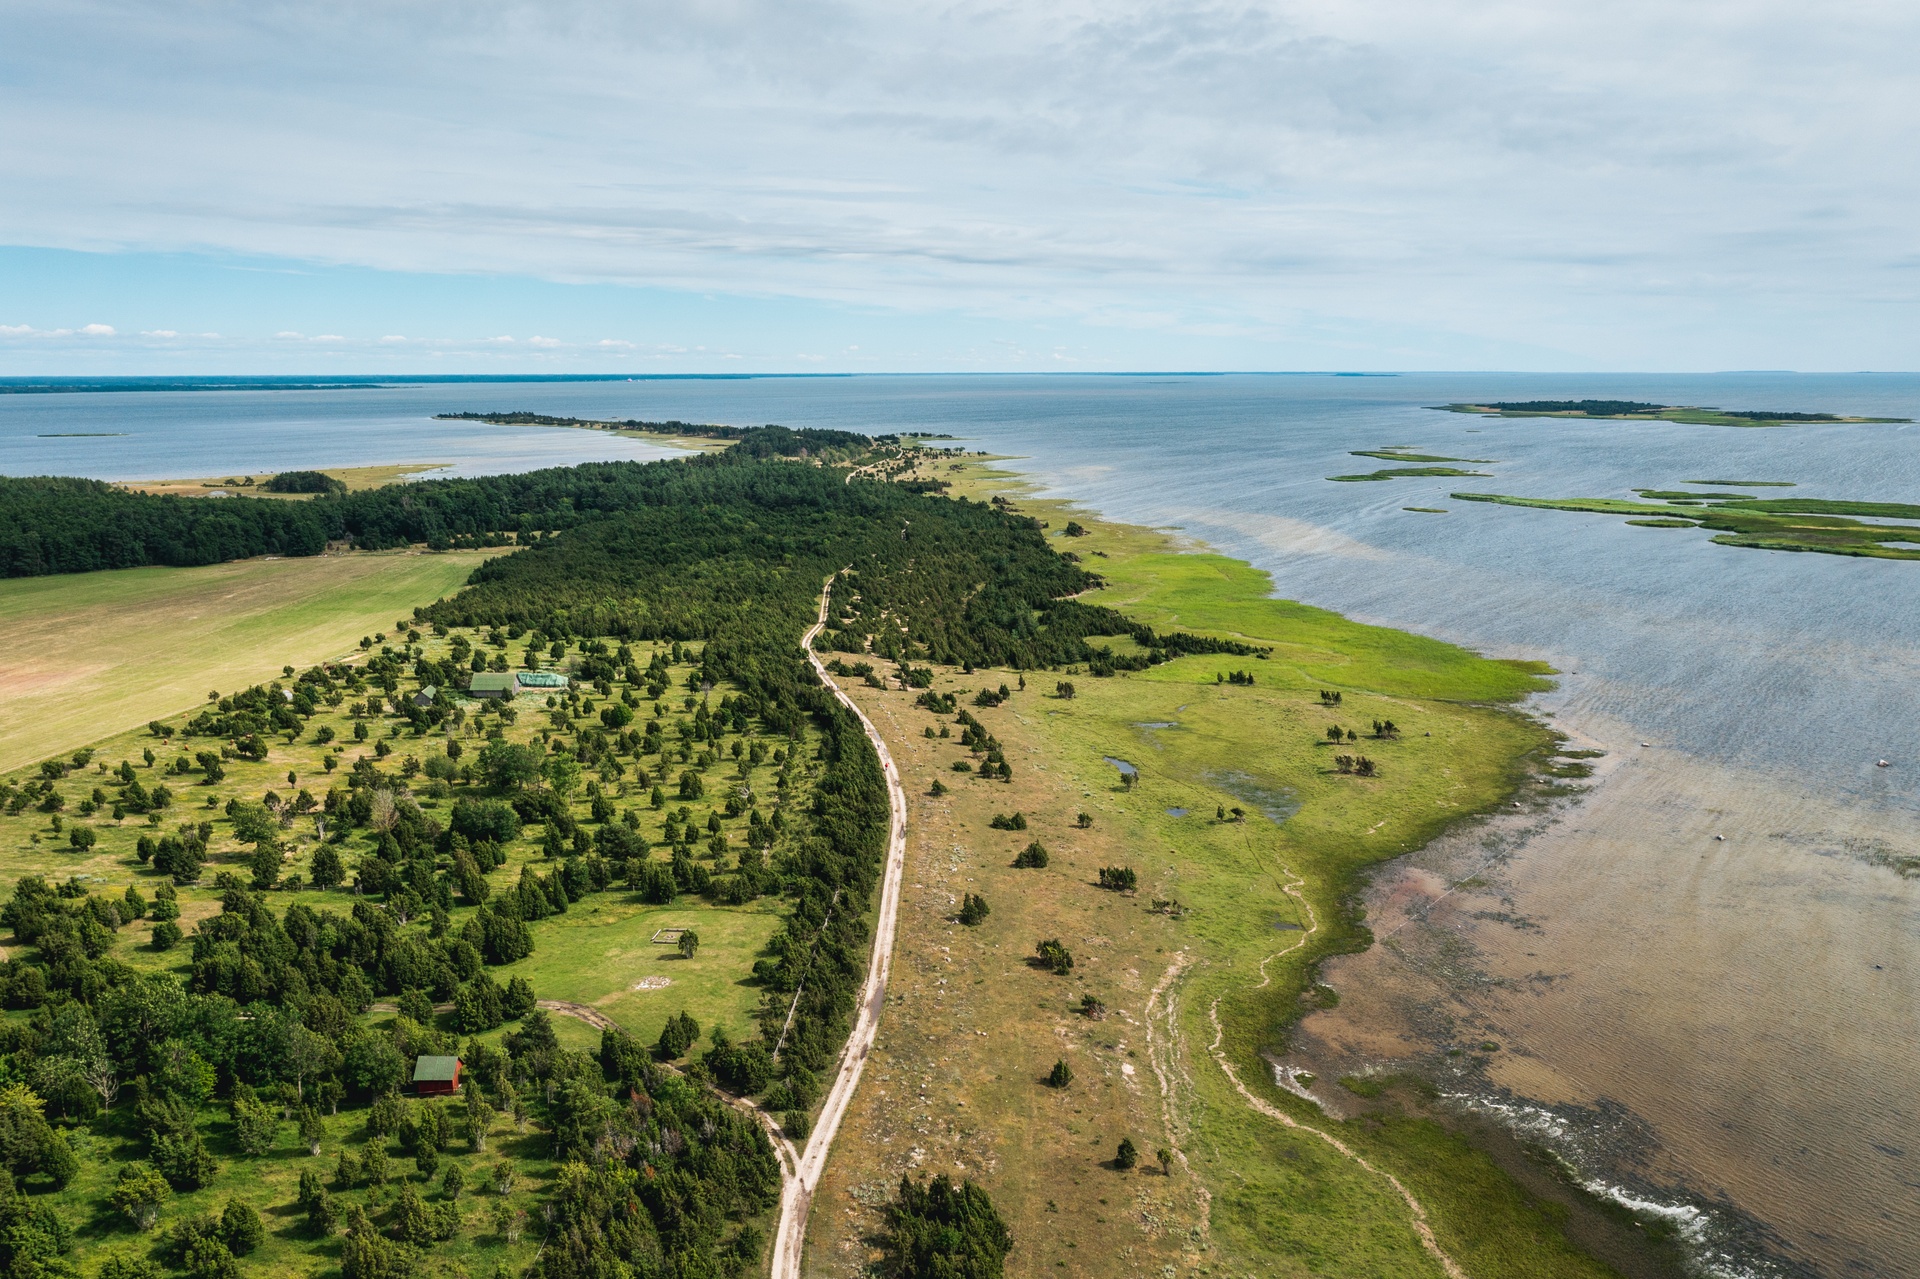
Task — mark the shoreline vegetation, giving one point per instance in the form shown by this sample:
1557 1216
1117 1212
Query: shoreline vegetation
1635 410
1235 821
1816 525
425 864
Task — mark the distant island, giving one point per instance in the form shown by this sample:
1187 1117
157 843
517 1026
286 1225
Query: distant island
697 430
1639 410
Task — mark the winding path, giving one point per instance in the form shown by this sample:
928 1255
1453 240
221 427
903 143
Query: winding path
802 1174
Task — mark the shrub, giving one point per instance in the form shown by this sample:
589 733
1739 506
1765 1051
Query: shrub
1118 879
678 1035
240 1228
1126 1156
1053 957
1032 857
1060 1076
973 909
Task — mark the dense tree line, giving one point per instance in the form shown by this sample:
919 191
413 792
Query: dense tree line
63 525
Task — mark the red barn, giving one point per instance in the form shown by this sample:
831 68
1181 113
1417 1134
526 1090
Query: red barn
436 1076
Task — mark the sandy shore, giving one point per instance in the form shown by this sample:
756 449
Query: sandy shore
1710 973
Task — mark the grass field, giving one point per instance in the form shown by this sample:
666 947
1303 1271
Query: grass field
1221 902
600 950
92 654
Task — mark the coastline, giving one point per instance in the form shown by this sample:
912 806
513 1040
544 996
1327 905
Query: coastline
1801 875
1264 895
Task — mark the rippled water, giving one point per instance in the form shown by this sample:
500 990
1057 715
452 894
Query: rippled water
1748 1004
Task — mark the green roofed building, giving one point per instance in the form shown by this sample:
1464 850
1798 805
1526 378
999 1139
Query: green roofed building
496 685
541 679
436 1076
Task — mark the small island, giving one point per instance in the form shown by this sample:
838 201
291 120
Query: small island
1770 524
1636 410
1402 453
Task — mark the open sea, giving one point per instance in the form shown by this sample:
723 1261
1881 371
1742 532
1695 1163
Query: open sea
1720 1030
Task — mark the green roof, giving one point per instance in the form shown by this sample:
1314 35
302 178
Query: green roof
491 682
542 679
435 1069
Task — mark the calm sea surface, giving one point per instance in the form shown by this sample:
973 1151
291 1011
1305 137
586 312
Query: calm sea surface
1790 675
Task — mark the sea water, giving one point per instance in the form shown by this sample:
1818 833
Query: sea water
1743 1006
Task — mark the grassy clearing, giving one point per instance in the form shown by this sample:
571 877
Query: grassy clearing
972 1028
599 952
92 654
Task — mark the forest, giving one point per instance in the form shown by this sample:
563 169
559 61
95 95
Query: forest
658 1174
53 524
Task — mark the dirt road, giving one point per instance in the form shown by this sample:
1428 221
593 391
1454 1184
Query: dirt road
796 1195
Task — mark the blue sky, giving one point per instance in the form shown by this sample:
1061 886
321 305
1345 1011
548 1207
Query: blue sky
743 186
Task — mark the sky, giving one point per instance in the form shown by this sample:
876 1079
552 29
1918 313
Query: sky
738 185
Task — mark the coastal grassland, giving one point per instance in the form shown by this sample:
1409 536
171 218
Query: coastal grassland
354 477
1404 473
91 654
955 1083
1770 524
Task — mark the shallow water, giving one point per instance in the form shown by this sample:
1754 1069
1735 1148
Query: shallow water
1745 1009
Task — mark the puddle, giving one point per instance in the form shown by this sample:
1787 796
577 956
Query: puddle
1275 803
1159 723
1126 769
1176 812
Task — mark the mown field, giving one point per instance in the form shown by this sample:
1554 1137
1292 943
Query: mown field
93 654
1229 912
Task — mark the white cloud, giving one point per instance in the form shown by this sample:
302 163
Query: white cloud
165 333
97 330
393 338
16 330
615 342
539 341
1637 174
287 333
327 337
